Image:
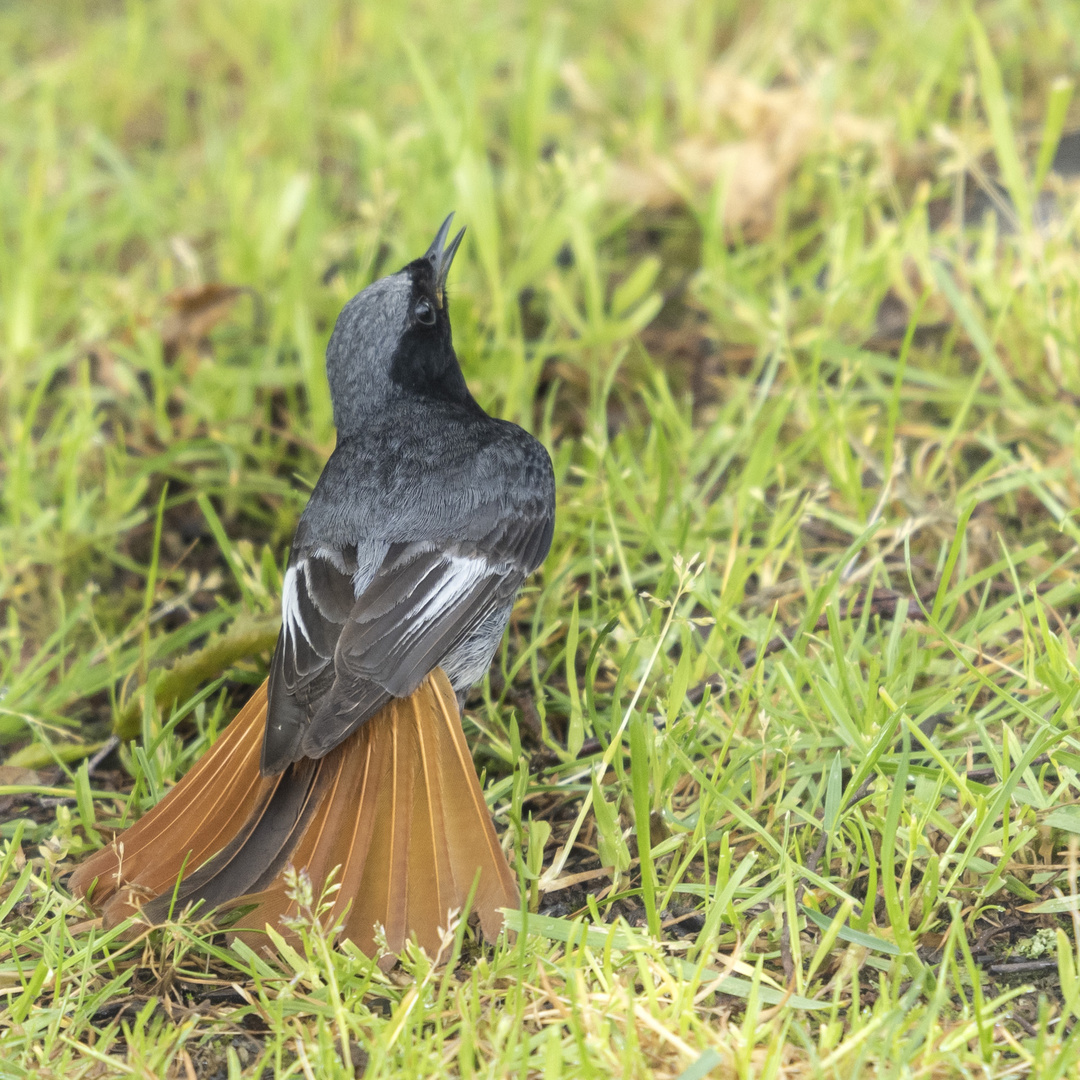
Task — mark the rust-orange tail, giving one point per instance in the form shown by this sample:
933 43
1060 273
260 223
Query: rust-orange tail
396 808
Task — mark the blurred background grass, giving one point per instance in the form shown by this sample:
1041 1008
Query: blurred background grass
190 192
789 287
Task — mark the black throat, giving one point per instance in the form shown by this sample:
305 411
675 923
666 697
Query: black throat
424 363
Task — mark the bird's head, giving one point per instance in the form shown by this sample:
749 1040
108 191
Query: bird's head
394 338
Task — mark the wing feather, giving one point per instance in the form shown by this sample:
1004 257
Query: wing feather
366 623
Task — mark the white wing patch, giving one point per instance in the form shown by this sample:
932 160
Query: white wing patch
290 607
447 583
462 573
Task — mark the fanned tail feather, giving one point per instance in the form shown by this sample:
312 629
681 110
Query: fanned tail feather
396 810
200 815
406 822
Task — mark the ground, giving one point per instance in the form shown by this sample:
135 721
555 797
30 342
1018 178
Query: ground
783 739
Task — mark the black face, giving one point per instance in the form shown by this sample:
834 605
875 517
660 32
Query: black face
424 362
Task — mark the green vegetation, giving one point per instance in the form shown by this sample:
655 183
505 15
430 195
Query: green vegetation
784 737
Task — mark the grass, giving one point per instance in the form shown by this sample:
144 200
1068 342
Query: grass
783 741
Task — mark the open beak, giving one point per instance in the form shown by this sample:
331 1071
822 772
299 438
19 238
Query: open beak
442 255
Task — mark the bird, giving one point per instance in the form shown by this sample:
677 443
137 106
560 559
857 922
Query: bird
349 764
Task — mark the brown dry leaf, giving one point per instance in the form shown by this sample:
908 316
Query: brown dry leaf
196 310
16 776
750 137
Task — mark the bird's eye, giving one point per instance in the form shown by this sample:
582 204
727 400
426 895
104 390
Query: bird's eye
424 312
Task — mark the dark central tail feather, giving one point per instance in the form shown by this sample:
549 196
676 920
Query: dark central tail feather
396 809
257 853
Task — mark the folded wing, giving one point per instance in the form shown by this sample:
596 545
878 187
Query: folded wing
366 624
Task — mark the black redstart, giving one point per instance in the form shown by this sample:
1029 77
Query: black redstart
421 529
